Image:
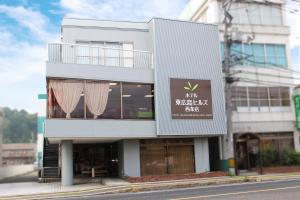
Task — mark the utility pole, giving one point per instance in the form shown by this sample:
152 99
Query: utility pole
1 133
228 153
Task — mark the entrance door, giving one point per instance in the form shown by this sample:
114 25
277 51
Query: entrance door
95 159
242 155
248 152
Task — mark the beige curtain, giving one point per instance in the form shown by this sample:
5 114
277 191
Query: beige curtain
67 94
96 97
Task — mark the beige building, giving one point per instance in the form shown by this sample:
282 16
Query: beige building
18 154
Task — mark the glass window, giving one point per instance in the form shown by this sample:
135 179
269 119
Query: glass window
276 55
239 97
259 54
285 96
127 54
267 17
113 107
138 101
253 96
112 53
274 96
263 96
79 109
254 13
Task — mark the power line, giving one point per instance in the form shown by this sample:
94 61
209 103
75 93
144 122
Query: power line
239 79
265 74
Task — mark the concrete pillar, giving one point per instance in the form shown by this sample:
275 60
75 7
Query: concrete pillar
201 155
67 162
131 158
296 140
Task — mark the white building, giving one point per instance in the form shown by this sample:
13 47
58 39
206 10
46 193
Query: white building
263 107
103 82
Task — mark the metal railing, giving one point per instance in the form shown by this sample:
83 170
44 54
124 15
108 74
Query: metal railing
98 55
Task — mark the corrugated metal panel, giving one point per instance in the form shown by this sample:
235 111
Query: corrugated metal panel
187 50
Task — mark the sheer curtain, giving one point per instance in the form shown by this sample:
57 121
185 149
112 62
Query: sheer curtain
67 94
96 97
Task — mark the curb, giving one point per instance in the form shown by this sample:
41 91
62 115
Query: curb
149 186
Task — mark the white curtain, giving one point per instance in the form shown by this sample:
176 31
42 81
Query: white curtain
96 97
67 94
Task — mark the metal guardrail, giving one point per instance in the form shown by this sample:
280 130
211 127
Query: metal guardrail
45 168
98 55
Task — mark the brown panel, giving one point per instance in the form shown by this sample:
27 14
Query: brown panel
191 99
153 160
167 156
181 159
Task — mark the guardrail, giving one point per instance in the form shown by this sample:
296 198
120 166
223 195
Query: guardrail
98 55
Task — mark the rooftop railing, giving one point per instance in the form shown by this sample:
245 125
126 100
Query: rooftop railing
98 55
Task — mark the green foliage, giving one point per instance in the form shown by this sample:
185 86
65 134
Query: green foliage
272 158
294 157
19 126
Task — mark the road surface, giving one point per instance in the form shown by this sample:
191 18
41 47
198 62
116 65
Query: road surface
273 190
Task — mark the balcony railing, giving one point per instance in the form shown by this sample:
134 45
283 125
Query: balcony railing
98 55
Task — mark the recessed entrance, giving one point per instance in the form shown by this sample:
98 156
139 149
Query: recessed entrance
95 160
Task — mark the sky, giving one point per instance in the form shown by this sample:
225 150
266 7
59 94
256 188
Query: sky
26 26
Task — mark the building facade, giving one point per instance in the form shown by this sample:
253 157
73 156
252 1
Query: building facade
133 99
263 114
18 154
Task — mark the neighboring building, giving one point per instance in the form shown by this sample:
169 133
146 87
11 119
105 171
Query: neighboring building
18 154
263 116
133 99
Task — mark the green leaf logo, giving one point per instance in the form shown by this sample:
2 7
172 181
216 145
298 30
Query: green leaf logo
190 87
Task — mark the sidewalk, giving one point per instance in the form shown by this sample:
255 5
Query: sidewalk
32 190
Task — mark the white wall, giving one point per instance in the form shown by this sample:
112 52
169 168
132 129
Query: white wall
201 155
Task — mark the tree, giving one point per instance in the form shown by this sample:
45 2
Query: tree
19 126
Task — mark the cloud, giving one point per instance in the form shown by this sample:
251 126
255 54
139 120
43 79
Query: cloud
19 60
22 60
120 10
36 22
293 18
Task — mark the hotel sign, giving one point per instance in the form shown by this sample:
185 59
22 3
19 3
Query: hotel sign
191 99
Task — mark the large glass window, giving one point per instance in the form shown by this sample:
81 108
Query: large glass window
255 14
124 101
258 54
260 97
105 53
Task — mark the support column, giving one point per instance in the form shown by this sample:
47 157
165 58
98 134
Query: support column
296 140
201 155
131 159
67 162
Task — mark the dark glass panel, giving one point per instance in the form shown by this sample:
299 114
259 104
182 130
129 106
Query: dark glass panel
138 101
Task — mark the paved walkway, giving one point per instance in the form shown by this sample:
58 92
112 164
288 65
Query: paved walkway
34 190
26 188
28 177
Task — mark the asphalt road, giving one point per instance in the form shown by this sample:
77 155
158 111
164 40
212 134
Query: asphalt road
275 190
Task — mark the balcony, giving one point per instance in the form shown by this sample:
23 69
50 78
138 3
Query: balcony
97 55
